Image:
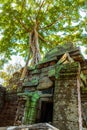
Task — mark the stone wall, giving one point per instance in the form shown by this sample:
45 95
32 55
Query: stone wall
2 95
65 115
84 92
11 97
8 112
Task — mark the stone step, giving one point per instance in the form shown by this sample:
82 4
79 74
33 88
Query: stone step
3 128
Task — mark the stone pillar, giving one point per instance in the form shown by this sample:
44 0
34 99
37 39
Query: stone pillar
67 104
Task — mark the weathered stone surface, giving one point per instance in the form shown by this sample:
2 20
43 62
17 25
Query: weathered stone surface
48 60
38 126
20 111
51 72
59 50
29 88
2 97
36 71
84 129
33 82
44 83
42 75
32 68
10 96
15 82
65 95
65 115
45 70
70 125
8 113
3 128
64 71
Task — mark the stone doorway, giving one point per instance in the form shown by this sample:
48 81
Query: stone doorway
46 111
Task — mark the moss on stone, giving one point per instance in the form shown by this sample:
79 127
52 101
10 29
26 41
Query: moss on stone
51 73
55 50
31 68
58 69
84 89
46 60
33 82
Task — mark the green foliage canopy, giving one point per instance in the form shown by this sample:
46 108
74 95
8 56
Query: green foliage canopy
6 75
58 21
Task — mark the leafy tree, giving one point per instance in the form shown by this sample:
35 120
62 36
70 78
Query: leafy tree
9 74
38 25
11 69
5 78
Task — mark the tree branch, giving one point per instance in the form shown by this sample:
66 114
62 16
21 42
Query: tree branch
26 65
51 23
24 26
39 10
20 19
22 6
42 38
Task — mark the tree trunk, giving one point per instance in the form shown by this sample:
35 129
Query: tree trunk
34 45
25 67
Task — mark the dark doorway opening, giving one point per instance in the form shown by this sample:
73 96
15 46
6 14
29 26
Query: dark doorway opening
46 111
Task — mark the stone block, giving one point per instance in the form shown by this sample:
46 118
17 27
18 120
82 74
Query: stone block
44 83
65 110
61 125
51 72
33 82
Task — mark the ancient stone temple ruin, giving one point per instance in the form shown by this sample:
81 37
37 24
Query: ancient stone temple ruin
53 91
